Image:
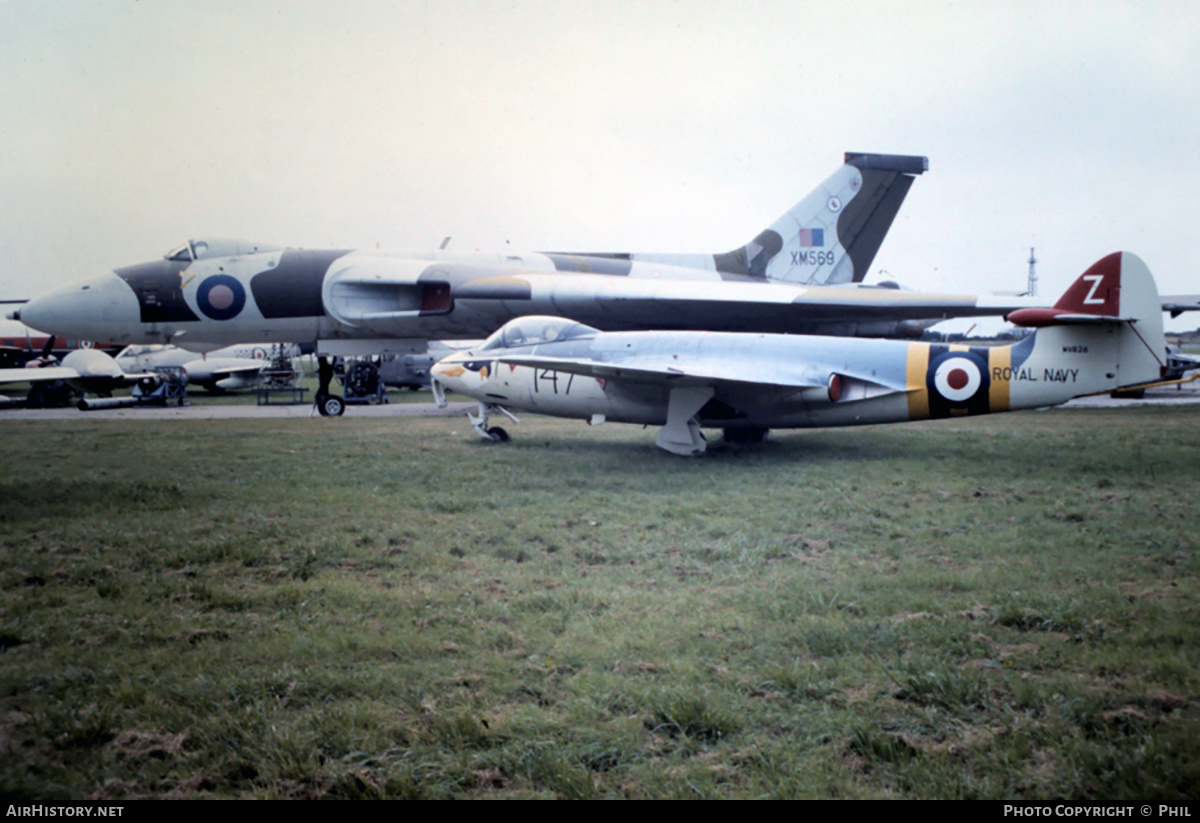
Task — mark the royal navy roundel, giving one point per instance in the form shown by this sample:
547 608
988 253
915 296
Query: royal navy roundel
221 297
957 381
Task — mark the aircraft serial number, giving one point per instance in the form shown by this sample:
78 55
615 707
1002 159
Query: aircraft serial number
812 258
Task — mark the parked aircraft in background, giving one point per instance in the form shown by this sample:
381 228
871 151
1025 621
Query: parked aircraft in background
243 366
19 344
1105 333
82 370
411 371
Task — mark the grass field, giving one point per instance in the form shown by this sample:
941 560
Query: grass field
1002 607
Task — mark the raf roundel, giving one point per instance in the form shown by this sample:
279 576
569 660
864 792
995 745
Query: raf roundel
221 297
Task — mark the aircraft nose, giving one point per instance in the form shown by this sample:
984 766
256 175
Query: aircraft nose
103 309
449 373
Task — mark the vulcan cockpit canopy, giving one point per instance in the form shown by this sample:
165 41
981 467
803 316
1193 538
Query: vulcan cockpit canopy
536 330
216 247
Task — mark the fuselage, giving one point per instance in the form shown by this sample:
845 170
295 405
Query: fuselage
776 381
385 302
266 295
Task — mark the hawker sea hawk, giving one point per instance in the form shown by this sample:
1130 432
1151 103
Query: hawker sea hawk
1104 334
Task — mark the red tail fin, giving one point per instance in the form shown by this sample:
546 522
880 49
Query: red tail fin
1097 290
1096 293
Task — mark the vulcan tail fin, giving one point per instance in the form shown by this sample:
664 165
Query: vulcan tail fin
832 235
829 237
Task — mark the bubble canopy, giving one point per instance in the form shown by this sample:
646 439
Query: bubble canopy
536 330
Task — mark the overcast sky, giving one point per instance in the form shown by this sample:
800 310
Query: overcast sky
127 127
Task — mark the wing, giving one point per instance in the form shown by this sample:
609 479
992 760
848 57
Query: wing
1177 304
37 375
738 373
625 303
656 370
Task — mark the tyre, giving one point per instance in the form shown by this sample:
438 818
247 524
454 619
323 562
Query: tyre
331 405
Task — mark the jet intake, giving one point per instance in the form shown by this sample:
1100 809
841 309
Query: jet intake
359 303
382 289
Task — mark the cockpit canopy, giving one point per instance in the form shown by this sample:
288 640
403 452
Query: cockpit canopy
535 330
216 247
137 350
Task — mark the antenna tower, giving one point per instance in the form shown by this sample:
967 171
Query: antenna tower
1032 273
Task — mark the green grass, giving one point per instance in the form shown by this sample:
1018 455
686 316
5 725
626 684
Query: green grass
997 607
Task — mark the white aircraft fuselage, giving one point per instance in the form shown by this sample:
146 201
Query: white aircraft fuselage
1104 334
800 275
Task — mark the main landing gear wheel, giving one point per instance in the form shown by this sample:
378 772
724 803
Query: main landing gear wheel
330 405
498 435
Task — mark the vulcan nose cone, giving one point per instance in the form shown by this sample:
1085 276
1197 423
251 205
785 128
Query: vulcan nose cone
103 309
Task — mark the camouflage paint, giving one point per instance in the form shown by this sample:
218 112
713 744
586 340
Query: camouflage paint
751 259
293 288
865 221
158 286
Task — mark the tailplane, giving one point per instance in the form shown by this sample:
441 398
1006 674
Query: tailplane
1111 312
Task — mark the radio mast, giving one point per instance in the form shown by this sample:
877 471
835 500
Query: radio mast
1032 273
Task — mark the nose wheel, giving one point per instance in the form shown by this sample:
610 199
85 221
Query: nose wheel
480 423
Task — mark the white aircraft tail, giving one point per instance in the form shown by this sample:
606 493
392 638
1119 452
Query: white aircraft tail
832 235
1107 327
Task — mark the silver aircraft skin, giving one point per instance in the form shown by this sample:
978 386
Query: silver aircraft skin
1104 334
802 274
85 370
234 367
